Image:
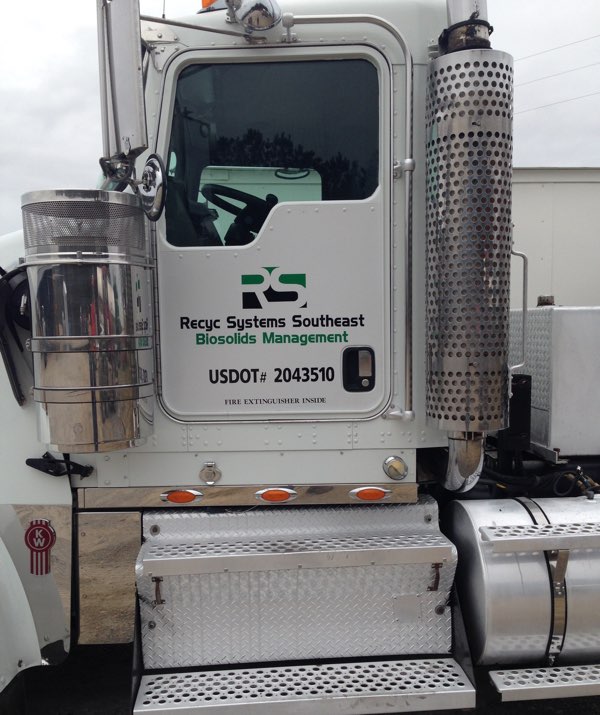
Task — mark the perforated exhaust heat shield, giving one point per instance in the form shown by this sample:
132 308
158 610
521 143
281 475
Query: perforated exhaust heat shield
469 172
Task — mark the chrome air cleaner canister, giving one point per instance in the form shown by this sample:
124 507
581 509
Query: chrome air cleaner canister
91 289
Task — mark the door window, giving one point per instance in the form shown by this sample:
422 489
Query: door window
246 137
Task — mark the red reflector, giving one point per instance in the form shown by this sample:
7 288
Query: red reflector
276 495
181 496
370 493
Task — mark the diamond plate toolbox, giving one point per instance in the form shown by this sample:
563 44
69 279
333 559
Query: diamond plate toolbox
293 583
561 357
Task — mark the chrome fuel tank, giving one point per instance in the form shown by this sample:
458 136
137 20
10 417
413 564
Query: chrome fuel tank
529 578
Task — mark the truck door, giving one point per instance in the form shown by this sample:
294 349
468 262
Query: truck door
274 254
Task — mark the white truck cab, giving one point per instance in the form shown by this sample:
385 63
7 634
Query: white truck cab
244 375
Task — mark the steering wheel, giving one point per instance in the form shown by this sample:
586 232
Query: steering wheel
215 193
248 218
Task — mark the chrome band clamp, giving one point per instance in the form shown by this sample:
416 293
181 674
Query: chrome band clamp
557 561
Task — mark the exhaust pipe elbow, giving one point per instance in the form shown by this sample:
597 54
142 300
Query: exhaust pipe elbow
465 461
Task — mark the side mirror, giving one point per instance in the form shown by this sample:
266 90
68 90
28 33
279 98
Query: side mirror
253 15
153 187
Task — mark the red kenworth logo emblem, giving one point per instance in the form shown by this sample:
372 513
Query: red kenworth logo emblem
40 537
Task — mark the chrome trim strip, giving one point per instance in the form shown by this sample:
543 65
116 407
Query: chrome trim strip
108 545
149 497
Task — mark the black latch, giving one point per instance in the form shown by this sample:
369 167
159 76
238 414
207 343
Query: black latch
59 467
358 369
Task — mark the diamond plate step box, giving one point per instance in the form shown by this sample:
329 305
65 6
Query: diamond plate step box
294 584
546 683
325 689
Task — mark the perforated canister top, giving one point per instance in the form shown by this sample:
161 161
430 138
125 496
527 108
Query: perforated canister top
86 221
469 172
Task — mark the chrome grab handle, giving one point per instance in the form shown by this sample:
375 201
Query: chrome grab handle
512 368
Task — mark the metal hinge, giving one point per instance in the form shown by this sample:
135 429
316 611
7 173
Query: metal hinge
402 167
158 599
435 582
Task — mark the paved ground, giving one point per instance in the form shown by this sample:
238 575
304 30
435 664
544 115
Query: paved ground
95 681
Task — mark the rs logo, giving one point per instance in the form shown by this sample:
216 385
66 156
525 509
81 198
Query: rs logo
273 286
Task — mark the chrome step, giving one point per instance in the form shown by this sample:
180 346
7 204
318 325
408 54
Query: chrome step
325 689
173 559
545 683
541 537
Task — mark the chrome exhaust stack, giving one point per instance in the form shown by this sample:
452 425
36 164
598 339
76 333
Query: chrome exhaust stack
469 236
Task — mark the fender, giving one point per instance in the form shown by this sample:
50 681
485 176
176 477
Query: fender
35 570
20 647
35 574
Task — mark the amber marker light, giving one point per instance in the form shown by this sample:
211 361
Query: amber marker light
370 493
207 3
181 496
276 495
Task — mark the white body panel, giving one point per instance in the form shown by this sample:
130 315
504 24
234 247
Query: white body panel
556 225
562 358
325 243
